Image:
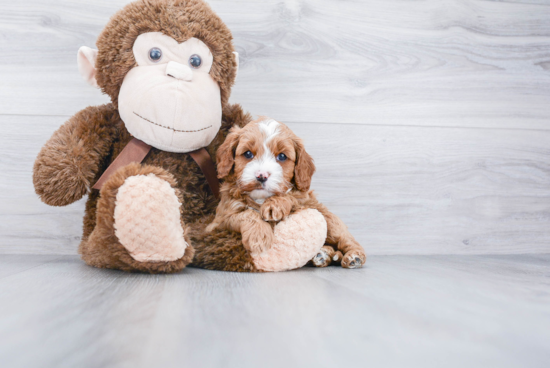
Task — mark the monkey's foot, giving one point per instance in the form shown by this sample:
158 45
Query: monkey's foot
297 240
148 220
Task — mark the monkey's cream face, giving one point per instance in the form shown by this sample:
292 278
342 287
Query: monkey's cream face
169 100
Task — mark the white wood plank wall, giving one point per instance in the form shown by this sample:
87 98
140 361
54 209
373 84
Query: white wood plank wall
428 120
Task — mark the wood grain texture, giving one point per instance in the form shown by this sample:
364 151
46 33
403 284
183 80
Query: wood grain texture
401 190
413 311
430 63
428 120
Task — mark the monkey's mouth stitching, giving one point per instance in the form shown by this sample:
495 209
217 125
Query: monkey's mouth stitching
165 127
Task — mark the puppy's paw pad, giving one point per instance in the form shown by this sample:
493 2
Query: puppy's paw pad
322 259
353 260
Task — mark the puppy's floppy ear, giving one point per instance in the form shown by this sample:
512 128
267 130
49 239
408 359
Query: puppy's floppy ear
304 169
225 157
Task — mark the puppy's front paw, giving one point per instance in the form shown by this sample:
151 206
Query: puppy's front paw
354 259
258 239
271 213
275 209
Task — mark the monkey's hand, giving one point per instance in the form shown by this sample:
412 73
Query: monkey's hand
276 208
68 163
257 236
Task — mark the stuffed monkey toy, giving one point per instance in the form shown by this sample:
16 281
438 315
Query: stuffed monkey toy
145 159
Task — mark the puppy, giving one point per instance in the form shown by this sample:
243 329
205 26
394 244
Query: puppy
267 174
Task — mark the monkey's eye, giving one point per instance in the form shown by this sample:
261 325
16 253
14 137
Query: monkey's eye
248 155
155 54
281 157
195 61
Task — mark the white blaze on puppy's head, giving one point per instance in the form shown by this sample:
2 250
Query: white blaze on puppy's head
265 158
265 168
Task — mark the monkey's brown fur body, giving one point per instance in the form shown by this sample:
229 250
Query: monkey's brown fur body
80 151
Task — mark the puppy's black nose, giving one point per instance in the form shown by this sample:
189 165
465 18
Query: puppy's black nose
261 178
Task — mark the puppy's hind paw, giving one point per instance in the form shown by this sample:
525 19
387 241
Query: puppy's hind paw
321 259
354 259
324 258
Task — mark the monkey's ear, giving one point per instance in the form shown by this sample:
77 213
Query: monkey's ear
86 59
237 60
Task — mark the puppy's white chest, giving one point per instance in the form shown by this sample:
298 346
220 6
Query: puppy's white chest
260 195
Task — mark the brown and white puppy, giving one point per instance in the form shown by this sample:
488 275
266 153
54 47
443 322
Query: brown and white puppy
267 174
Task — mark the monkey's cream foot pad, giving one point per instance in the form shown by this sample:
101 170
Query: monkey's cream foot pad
147 219
298 239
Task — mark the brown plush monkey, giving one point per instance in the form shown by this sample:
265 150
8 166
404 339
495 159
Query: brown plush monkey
144 160
168 66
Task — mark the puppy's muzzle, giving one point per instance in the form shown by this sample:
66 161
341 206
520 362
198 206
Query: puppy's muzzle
262 177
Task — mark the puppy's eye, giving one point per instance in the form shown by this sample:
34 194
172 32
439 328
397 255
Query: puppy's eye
281 157
155 54
248 155
195 61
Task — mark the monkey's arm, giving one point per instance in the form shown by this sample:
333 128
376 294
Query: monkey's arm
68 163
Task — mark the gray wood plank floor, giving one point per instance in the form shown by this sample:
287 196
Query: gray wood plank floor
399 311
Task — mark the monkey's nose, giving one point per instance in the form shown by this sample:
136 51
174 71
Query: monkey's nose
179 71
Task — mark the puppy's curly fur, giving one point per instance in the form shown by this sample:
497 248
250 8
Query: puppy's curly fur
254 218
